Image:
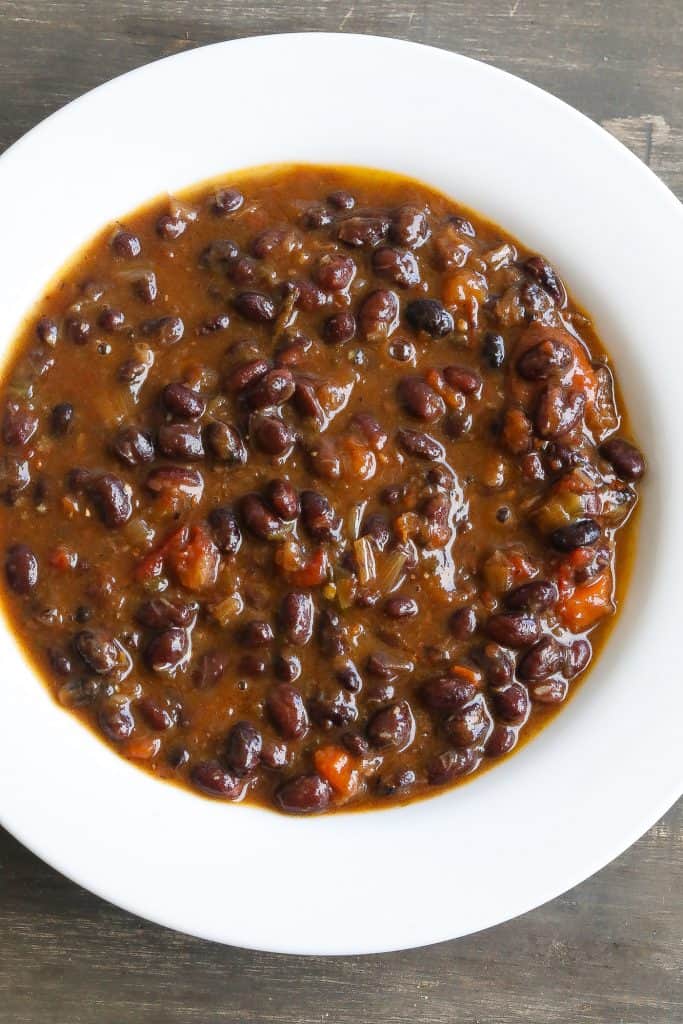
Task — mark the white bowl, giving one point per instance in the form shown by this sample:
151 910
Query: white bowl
610 764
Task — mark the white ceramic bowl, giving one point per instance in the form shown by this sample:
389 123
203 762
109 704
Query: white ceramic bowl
610 763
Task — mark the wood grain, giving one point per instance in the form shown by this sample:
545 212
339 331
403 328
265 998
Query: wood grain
608 952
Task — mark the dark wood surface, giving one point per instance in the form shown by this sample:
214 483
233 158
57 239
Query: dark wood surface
608 952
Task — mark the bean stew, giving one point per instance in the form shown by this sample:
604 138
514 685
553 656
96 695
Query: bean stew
314 489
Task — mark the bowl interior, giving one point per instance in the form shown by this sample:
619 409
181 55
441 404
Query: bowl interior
602 772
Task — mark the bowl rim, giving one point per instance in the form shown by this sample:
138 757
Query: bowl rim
392 934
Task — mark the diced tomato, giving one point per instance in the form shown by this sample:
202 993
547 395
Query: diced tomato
196 564
63 558
335 765
314 572
152 565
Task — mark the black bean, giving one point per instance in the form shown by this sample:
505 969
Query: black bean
355 743
220 254
396 782
116 719
178 756
99 650
180 400
580 534
21 568
162 612
577 656
463 623
214 780
513 630
339 328
376 527
469 725
256 633
59 662
242 271
442 768
316 217
336 710
341 200
15 476
378 313
111 320
364 231
157 716
288 711
145 286
296 618
305 794
218 322
627 461
292 350
319 518
167 650
447 693
541 271
349 677
558 411
429 315
335 272
549 691
283 499
255 306
251 665
393 726
79 693
275 388
169 228
493 350
112 498
512 703
534 597
19 424
209 670
401 607
246 374
420 400
181 441
47 331
243 748
266 243
259 520
501 741
287 667
226 530
133 446
226 200
544 359
225 443
331 633
271 434
423 446
463 379
126 245
388 665
544 659
400 267
166 329
410 227
458 423
61 418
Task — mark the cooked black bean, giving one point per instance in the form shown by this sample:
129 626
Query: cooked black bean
317 217
399 266
259 520
580 534
447 693
116 719
388 665
162 612
333 710
319 518
99 650
157 715
112 498
536 596
335 272
126 244
181 441
544 359
463 622
469 725
421 445
209 670
111 320
61 418
276 388
225 442
364 231
133 446
227 200
393 726
420 400
442 768
180 400
256 633
287 667
339 328
214 780
341 200
512 703
378 314
19 424
627 461
168 650
410 227
47 331
429 315
577 656
243 748
170 228
513 630
283 499
21 568
376 527
272 434
401 607
544 659
542 272
226 530
218 322
288 711
246 374
306 794
255 306
501 741
145 286
296 618
493 350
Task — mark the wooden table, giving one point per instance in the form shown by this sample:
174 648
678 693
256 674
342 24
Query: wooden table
609 951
